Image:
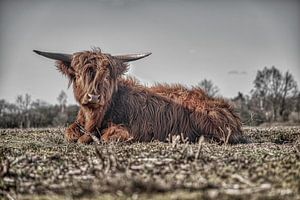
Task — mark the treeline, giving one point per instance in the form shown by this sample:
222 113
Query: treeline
25 113
274 98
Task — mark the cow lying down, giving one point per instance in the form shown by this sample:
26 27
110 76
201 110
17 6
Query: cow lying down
113 107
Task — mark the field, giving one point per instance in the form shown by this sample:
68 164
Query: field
39 164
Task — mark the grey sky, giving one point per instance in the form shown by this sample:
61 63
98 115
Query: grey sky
225 41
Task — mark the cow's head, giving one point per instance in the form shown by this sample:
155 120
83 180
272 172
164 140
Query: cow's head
93 74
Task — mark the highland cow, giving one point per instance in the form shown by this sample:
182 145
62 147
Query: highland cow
113 107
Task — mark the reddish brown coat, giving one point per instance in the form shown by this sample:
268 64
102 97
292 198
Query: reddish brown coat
128 110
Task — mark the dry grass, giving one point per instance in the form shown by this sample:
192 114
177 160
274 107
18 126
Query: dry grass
39 164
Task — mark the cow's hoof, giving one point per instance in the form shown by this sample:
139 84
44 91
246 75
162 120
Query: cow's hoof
72 133
85 139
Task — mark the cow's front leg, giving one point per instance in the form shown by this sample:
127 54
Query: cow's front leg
86 138
73 133
93 119
116 133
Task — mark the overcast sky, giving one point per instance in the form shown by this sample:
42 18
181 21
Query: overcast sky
225 41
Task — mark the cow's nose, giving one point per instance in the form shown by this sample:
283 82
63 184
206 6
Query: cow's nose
93 98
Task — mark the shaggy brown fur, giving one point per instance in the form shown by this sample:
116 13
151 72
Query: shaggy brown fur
127 110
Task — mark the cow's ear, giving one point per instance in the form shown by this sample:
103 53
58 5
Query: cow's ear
123 60
115 67
122 69
65 68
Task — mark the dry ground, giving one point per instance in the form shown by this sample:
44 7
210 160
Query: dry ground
39 164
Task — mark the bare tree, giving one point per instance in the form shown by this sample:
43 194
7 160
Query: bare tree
272 88
62 101
23 104
62 117
208 86
289 89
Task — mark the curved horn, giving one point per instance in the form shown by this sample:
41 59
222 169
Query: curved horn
55 56
132 57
